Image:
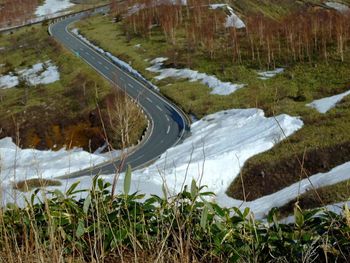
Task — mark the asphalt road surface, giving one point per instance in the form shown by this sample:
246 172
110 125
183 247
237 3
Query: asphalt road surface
167 123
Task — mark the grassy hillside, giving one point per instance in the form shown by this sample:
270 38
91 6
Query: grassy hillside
323 142
64 113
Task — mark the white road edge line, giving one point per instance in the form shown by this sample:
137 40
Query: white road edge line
140 157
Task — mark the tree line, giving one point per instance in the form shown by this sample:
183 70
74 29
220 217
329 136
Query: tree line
305 35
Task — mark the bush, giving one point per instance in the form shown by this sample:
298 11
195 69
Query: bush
185 227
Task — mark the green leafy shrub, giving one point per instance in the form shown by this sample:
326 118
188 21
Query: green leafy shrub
173 229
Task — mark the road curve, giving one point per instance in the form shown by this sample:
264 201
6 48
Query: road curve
167 123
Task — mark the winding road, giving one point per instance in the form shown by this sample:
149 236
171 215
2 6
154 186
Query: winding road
167 124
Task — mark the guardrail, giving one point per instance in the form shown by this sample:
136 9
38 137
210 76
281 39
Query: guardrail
49 19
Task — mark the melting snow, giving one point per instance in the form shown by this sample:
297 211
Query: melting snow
263 205
218 146
270 74
8 81
20 164
232 20
338 6
52 6
217 86
40 73
325 104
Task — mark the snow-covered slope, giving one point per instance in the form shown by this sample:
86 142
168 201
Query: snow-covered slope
325 104
218 146
20 164
218 87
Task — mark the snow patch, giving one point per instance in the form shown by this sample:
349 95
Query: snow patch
40 73
21 164
218 87
52 6
8 81
270 74
325 104
232 19
338 6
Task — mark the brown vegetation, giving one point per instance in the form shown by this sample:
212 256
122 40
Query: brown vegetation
268 177
28 185
14 12
304 35
116 120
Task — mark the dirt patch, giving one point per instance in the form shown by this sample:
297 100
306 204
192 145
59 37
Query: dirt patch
28 185
42 129
268 177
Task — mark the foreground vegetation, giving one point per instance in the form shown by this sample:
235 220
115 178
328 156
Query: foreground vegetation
275 37
81 109
102 227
